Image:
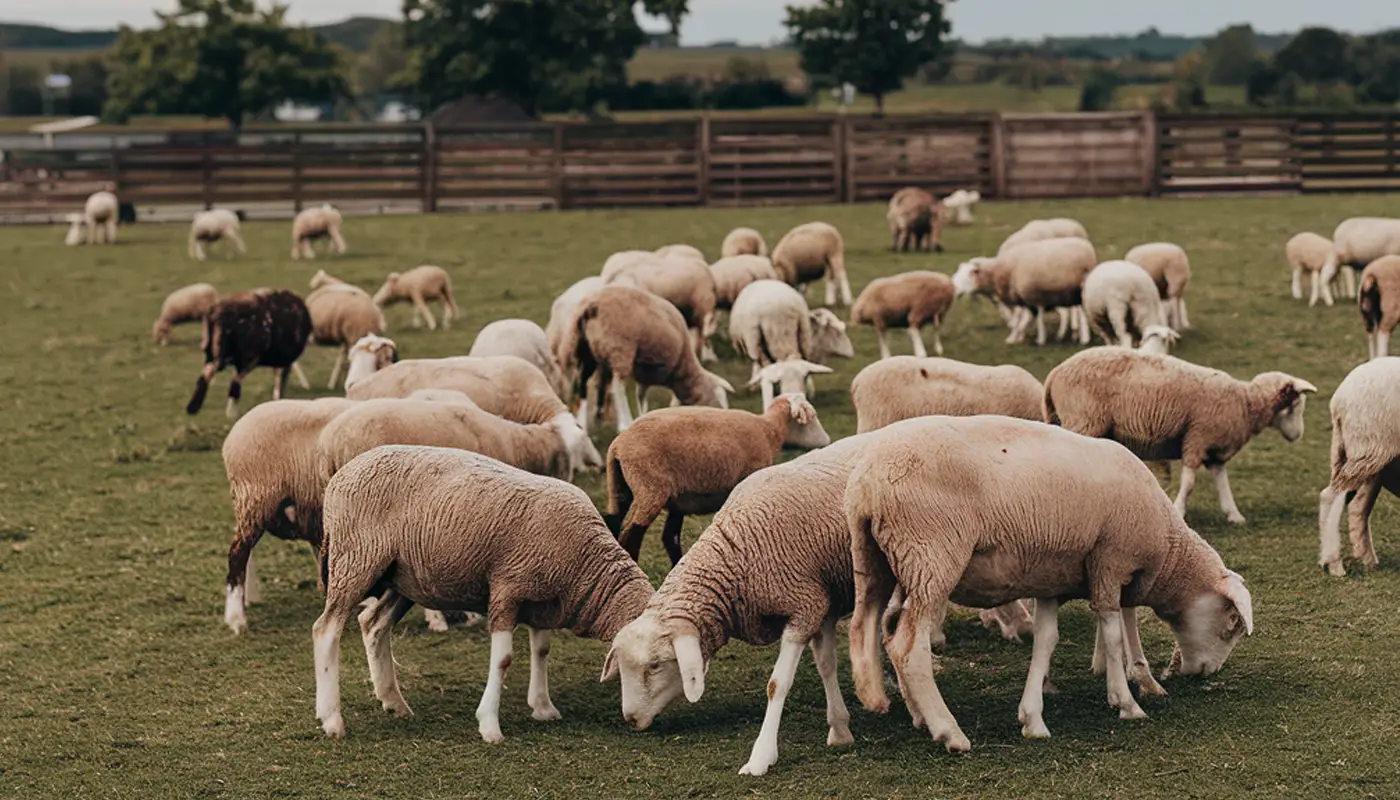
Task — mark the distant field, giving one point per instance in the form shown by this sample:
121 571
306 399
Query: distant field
659 64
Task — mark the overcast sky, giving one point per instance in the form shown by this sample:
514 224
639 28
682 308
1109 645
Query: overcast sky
758 21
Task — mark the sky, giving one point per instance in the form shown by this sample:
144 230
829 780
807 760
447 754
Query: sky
760 21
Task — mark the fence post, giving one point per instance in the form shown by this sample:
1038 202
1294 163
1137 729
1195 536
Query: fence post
207 180
997 155
702 142
847 159
116 170
428 168
557 167
1151 150
296 173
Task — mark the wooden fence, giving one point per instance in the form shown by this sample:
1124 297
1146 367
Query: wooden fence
704 162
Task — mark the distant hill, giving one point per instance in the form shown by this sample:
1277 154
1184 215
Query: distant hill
353 34
1150 45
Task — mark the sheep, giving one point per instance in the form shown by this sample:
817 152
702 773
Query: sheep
211 226
367 356
905 387
1165 409
561 315
323 279
809 252
1158 340
909 300
342 315
790 375
1038 230
683 251
687 460
321 222
770 322
1379 303
523 338
189 304
75 235
1085 520
1362 240
1038 275
620 262
100 214
960 204
1365 459
418 286
1171 271
743 242
249 330
1120 302
625 333
733 273
916 221
1317 256
448 529
683 282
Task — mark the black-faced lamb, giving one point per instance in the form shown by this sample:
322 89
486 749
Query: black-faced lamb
215 225
188 304
910 300
916 221
249 330
418 286
312 224
1378 299
905 387
342 315
743 242
1365 459
813 251
1171 271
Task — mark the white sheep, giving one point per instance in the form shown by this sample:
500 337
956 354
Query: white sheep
622 261
733 273
367 356
960 204
213 225
790 375
1362 240
1170 269
76 234
910 300
1038 230
1121 301
342 315
684 251
1029 279
743 242
905 387
1315 255
813 251
770 322
188 304
1365 459
685 283
1379 303
418 286
523 338
321 222
100 215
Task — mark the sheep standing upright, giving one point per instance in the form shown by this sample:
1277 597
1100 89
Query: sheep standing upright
342 315
312 224
910 300
1029 279
684 282
1317 256
1121 302
916 221
1171 271
1361 241
212 226
1378 300
418 286
188 304
100 214
250 330
1365 459
813 251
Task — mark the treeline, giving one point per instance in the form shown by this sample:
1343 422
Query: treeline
22 86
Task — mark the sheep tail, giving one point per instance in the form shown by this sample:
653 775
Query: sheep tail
619 495
875 585
1368 300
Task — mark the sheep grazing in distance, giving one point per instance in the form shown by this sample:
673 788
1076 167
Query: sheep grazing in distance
342 315
100 215
813 251
1031 278
418 286
525 339
620 262
1121 302
681 251
1365 459
959 206
452 530
685 283
770 322
188 304
367 356
214 225
1086 521
743 242
250 330
1361 241
687 460
732 274
321 222
1379 303
1165 409
75 235
910 300
1039 230
1315 255
1171 271
905 387
916 221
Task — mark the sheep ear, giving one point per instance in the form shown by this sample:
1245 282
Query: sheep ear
723 384
768 373
816 369
1303 386
691 663
609 666
1232 586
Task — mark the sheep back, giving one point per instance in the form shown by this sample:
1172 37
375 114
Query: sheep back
904 387
912 298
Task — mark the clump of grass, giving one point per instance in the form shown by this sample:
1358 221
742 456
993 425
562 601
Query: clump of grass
193 438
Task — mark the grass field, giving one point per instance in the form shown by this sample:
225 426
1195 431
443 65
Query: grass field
121 681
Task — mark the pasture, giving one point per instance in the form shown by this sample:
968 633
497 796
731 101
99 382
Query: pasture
121 680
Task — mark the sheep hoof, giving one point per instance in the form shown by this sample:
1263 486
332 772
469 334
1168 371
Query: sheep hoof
1133 711
334 727
1335 568
754 768
491 736
547 714
1149 687
1235 517
1035 729
954 741
840 737
239 624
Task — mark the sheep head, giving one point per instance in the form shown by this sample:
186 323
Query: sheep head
388 291
368 356
658 661
1288 396
581 451
791 376
1210 627
805 430
829 336
1158 339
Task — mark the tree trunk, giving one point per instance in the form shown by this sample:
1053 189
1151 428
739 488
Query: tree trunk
879 104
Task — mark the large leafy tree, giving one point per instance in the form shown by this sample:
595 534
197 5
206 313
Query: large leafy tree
1317 55
1232 56
871 44
673 11
555 54
219 58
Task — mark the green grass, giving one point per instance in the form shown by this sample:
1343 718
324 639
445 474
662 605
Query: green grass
120 679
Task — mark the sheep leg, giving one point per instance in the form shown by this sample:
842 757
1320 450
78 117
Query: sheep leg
640 393
1020 320
884 345
1188 482
325 638
1119 695
1382 343
376 625
1298 284
1083 320
1371 345
1012 619
1118 318
838 719
671 535
1316 289
646 507
301 376
875 587
437 621
1359 522
1138 668
912 657
240 558
488 713
112 231
1066 317
337 241
538 695
339 360
251 584
624 411
1047 636
1349 279
1227 498
1040 327
421 307
918 342
197 250
830 291
1181 314
1331 504
235 391
237 242
938 337
765 748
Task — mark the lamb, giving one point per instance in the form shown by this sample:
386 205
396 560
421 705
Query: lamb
625 333
743 242
733 274
1365 459
685 283
1379 303
249 330
1037 275
75 235
321 222
683 251
448 529
1120 302
770 322
523 338
1165 409
809 252
1089 522
1171 271
916 221
100 214
687 460
342 315
960 204
368 356
621 262
418 286
1362 240
189 304
905 387
213 225
1038 230
1317 256
910 300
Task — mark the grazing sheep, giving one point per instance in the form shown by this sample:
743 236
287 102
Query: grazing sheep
905 387
1171 271
249 330
1379 303
625 333
791 375
100 215
189 304
625 260
418 286
685 283
683 251
453 530
1362 240
960 205
1158 340
916 221
323 279
525 339
321 222
561 315
213 225
1317 256
342 315
770 322
809 252
687 460
1039 230
733 274
1121 302
743 242
927 516
75 235
1165 409
1365 459
1029 279
367 356
910 300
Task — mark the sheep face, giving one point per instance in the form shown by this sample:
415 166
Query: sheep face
1210 627
389 291
972 277
1290 397
369 355
829 336
792 375
1158 339
805 430
645 655
581 451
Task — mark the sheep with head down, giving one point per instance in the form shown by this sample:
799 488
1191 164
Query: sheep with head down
771 324
743 242
813 251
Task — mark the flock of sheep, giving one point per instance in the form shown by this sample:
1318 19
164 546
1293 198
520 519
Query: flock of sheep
445 482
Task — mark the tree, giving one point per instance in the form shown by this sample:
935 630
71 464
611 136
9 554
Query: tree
1317 55
673 11
379 69
560 54
1378 68
872 44
1231 56
219 58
